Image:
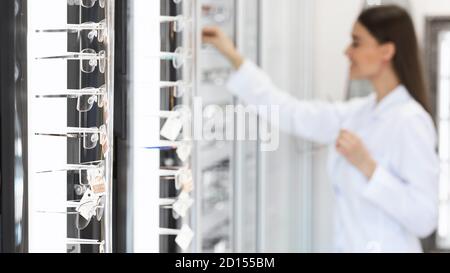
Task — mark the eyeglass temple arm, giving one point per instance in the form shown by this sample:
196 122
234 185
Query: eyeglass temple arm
168 231
75 56
71 93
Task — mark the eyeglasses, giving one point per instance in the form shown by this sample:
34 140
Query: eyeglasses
218 14
90 136
96 30
86 97
89 206
179 88
86 3
89 59
183 148
184 235
182 177
169 114
91 176
77 167
179 21
74 241
180 205
87 210
216 76
178 58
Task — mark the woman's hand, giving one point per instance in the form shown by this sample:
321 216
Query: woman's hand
351 147
216 37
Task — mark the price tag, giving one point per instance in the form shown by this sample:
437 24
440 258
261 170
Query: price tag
172 128
87 204
184 152
183 177
185 237
97 180
183 204
99 186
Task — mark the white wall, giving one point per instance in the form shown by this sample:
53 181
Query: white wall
333 24
421 9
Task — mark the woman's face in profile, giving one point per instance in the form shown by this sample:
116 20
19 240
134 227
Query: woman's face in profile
367 56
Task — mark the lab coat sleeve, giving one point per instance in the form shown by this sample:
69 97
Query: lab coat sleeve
407 190
314 121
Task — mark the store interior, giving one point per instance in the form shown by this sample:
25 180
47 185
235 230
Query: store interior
96 156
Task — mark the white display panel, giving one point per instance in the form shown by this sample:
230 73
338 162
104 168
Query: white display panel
59 217
145 90
161 65
47 231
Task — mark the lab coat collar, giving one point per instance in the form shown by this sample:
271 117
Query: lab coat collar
398 96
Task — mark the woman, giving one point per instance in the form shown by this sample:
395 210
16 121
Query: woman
383 166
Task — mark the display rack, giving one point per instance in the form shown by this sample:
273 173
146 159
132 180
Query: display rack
162 79
70 112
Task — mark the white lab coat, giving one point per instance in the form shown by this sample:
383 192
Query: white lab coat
399 204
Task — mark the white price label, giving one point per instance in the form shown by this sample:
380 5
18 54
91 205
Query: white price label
183 204
185 237
172 128
87 204
184 152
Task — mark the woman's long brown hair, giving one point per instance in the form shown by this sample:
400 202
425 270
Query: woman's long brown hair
393 24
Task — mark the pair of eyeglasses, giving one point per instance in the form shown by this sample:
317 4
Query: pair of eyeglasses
182 177
179 88
180 205
95 30
86 3
90 209
77 167
179 22
89 59
91 176
84 210
91 179
183 148
168 114
91 136
91 205
216 76
86 97
181 113
216 13
178 58
75 241
183 238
